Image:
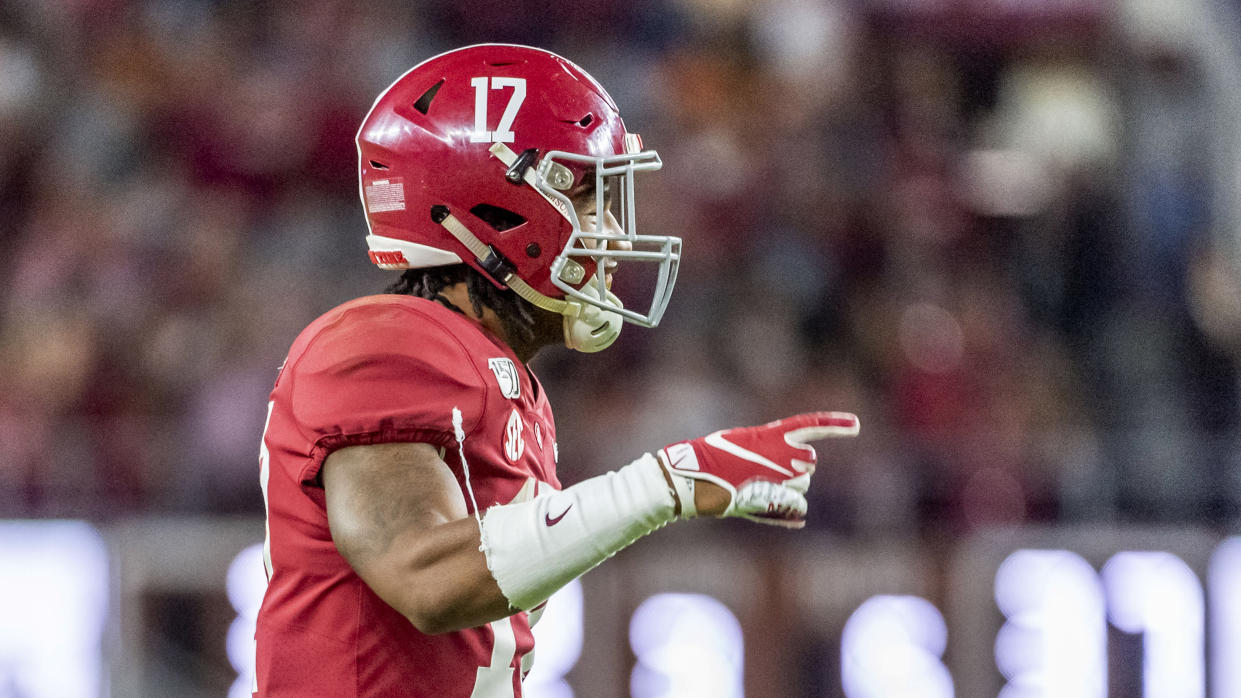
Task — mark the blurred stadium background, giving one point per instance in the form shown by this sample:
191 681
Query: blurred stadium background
1004 232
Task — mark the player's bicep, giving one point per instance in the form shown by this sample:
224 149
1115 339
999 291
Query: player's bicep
380 495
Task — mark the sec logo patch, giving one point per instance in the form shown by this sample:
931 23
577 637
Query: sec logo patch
514 444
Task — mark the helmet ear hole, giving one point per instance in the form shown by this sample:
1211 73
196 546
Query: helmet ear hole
501 219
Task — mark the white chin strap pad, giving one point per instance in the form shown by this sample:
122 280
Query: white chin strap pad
589 328
536 547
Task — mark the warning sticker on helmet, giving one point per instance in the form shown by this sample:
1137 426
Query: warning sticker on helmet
385 195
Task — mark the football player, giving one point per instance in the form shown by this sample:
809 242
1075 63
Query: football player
415 520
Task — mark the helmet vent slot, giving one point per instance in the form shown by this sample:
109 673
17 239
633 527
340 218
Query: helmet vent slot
501 219
424 102
378 165
585 120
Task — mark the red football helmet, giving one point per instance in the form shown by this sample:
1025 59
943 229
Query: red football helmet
478 156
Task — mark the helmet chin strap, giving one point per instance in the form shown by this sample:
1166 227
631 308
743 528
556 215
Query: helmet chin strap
587 328
592 328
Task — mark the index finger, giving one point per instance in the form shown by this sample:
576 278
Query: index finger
813 426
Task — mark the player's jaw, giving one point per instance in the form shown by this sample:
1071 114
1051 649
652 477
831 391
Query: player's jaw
548 329
548 326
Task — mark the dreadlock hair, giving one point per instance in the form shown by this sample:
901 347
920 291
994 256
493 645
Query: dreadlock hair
516 313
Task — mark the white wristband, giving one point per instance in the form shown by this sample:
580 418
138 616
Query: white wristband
536 547
682 477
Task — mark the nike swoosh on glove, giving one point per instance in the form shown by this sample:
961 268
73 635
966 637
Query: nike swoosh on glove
765 468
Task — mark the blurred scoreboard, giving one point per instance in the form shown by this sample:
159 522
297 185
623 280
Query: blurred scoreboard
166 607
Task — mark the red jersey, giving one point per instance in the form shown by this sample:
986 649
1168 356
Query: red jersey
389 369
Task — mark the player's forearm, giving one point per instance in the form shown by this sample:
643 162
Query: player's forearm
450 576
533 548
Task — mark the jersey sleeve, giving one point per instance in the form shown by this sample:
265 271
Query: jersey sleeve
380 375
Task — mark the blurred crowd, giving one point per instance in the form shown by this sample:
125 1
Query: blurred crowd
999 247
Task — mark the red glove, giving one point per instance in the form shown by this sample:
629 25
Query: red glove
766 469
